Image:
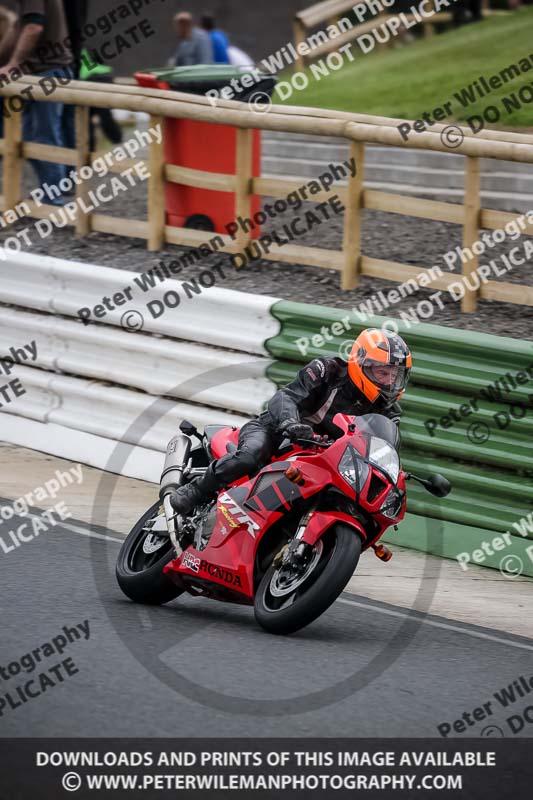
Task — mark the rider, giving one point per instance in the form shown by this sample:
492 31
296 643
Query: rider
372 381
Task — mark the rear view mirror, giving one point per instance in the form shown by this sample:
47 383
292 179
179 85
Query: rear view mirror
188 428
438 486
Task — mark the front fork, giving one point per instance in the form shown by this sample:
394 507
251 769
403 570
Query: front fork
171 517
295 552
311 528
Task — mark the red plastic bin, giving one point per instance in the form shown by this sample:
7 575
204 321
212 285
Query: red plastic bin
208 147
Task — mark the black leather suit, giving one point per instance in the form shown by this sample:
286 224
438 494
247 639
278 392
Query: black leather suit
319 391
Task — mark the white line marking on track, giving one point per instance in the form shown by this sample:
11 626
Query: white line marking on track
435 624
92 534
144 616
368 606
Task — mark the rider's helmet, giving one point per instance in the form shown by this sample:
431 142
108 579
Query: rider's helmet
380 364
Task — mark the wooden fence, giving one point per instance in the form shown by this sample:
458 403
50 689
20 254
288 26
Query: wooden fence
333 12
357 129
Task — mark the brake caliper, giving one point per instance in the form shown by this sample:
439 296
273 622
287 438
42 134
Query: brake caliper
298 555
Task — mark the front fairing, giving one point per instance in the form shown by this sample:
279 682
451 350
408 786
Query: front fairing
377 477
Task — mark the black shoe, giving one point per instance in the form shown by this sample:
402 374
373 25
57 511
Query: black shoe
193 494
186 498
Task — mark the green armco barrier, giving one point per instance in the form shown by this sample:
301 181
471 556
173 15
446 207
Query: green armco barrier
454 539
492 479
445 357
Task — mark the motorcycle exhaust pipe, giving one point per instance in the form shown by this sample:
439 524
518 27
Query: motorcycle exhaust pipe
178 451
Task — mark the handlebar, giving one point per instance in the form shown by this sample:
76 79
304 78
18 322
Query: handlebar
317 441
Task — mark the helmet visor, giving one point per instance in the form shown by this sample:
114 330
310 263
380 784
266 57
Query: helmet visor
390 379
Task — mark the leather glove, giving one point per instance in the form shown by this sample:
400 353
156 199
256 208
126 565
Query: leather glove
296 430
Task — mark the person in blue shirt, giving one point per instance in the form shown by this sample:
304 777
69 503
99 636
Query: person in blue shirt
219 40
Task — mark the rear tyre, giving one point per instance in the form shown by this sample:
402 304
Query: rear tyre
283 607
140 563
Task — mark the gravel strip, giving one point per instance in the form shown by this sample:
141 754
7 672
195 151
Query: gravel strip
388 236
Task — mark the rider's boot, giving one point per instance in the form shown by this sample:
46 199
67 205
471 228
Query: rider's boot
185 499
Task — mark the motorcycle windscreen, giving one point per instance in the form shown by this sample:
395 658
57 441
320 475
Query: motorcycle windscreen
379 426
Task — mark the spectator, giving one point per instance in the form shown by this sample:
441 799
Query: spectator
37 44
76 17
99 73
85 69
238 58
219 40
467 11
194 44
8 21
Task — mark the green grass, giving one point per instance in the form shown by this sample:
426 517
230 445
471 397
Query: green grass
422 75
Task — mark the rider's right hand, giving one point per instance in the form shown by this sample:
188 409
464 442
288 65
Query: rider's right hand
297 430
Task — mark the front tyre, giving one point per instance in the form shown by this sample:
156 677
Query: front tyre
284 604
141 560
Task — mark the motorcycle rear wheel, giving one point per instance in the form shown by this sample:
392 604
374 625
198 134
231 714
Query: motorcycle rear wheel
334 565
140 574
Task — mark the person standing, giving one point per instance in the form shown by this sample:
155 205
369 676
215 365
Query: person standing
76 17
8 21
194 45
219 40
100 73
76 12
38 44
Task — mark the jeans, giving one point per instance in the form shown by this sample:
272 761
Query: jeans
42 122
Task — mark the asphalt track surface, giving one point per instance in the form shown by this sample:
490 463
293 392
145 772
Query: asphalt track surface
201 668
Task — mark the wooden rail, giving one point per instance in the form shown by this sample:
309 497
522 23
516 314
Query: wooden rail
357 129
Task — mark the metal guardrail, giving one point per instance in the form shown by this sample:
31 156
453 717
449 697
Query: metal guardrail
90 384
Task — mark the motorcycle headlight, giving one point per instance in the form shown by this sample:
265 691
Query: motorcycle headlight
353 469
392 505
384 456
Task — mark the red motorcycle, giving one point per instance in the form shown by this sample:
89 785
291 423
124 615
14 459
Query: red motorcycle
286 541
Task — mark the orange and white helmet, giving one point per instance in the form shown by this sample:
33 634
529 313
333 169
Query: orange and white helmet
380 364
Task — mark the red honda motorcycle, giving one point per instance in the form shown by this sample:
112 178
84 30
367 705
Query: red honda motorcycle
286 541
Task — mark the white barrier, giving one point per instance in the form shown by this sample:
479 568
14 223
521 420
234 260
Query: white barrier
220 317
85 448
184 370
67 409
109 413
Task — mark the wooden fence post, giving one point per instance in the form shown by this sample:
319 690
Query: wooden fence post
243 183
13 161
83 159
428 27
472 204
299 37
352 219
156 189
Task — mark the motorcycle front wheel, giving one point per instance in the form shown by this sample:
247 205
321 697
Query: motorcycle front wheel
140 563
285 603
